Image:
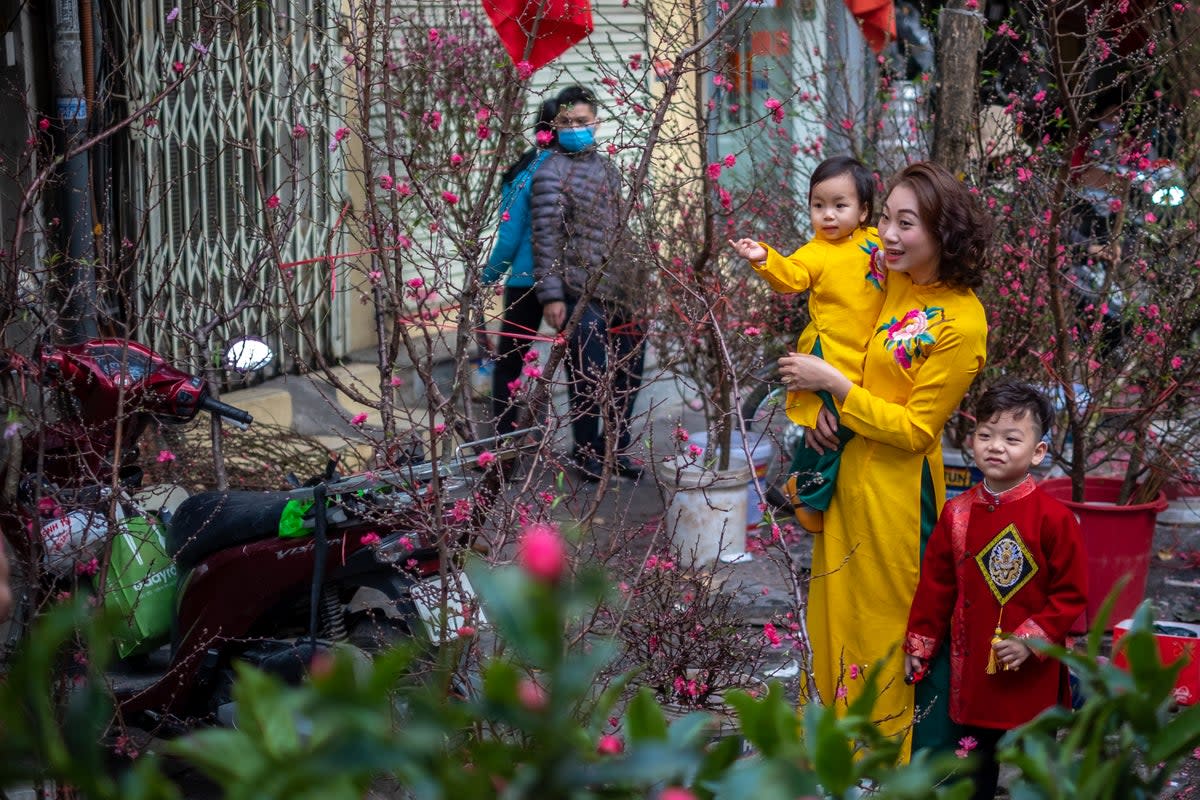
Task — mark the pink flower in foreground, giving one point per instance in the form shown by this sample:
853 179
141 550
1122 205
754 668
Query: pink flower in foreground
359 418
531 695
542 552
439 428
450 197
173 15
730 160
524 70
853 671
273 201
714 171
341 133
87 568
456 159
543 138
165 456
299 131
965 746
695 450
416 283
386 182
681 435
841 692
772 635
466 631
369 539
43 124
676 793
177 66
610 745
751 331
485 458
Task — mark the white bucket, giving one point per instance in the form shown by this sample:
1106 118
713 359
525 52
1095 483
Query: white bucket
706 516
761 454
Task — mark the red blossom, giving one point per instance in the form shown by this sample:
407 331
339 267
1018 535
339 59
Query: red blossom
610 745
542 552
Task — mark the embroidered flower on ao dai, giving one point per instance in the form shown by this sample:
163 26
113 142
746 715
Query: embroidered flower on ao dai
876 270
908 338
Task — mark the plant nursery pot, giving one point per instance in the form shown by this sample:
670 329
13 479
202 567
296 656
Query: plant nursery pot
706 515
1118 541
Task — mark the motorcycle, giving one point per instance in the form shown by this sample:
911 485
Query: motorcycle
271 578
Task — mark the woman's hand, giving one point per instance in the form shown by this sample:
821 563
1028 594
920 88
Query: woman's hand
749 250
824 436
805 373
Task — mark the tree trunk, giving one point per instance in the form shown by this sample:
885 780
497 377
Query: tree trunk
960 40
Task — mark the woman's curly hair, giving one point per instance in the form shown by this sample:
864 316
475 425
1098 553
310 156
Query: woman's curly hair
955 217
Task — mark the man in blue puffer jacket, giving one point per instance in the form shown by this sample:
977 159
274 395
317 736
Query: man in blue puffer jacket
513 253
581 253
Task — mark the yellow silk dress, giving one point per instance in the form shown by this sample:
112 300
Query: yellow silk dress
930 343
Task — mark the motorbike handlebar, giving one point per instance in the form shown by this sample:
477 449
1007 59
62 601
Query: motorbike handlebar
235 415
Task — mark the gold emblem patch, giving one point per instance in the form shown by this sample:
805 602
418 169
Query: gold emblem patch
1006 564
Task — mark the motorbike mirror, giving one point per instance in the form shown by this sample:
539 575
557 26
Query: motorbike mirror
248 354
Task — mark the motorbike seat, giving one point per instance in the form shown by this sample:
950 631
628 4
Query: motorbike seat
211 521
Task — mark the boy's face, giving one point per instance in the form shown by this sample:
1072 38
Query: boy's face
835 209
1005 447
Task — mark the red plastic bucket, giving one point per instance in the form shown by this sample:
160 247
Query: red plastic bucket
1118 541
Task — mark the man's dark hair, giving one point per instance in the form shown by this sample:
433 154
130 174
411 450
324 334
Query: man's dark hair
1019 399
864 181
573 95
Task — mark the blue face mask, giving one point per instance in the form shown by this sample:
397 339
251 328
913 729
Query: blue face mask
575 139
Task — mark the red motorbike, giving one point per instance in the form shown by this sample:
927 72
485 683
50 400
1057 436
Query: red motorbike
272 578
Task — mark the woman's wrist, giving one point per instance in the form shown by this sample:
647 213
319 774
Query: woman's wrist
839 387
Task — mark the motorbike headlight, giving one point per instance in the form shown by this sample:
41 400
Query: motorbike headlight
1168 196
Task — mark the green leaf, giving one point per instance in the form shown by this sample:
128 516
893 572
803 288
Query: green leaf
1177 738
832 750
645 718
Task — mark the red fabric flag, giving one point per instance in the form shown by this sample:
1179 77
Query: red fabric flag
878 20
552 25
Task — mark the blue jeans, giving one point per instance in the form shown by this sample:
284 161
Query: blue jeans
606 353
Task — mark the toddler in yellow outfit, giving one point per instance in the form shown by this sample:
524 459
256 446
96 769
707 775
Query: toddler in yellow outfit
843 271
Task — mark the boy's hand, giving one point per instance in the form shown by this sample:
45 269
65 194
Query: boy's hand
749 250
1012 652
914 668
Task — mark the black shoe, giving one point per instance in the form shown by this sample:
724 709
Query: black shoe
628 468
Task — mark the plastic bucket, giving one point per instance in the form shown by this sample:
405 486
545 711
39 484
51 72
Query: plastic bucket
705 515
1118 540
761 454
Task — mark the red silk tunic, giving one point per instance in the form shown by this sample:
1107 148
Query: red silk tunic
953 594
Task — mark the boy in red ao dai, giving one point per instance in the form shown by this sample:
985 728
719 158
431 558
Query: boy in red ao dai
1004 564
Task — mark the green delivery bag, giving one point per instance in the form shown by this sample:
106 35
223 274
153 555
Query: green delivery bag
141 586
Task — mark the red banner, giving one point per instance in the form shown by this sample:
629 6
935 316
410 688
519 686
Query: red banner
878 20
539 31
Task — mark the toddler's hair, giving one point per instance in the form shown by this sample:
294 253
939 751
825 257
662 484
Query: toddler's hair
864 181
1020 399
